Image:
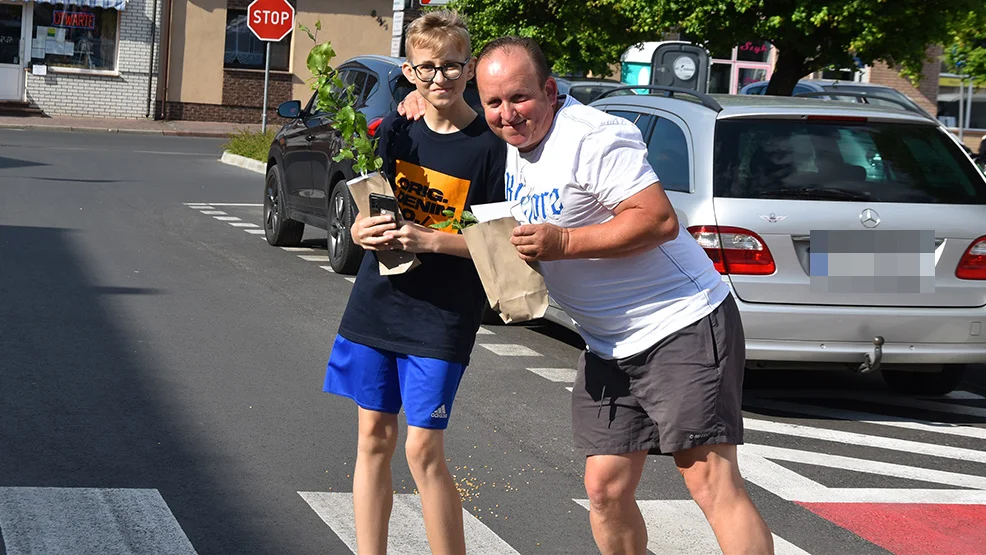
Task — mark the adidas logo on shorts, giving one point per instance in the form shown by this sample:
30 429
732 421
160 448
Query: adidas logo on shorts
440 412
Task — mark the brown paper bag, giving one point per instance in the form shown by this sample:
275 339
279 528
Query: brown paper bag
391 262
514 288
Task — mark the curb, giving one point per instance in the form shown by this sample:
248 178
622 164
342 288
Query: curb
165 132
243 162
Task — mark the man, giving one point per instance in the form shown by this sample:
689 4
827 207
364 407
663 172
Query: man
663 369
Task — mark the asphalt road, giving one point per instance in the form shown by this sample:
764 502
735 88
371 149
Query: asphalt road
160 392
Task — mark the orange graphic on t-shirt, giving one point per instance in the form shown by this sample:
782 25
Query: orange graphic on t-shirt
423 194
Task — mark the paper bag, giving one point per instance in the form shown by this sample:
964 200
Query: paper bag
514 288
391 262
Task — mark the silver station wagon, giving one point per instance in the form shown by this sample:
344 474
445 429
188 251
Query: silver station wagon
853 236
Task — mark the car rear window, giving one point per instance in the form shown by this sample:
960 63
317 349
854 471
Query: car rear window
828 160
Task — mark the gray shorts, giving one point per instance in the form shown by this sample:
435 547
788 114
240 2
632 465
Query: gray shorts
684 392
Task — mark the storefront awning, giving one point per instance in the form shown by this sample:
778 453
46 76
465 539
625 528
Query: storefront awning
119 5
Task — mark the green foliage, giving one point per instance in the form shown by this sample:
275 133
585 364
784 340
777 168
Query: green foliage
251 144
467 220
966 53
810 35
336 99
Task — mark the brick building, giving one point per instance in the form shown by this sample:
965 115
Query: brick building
80 57
213 67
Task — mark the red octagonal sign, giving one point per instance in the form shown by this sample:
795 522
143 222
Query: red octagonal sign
270 20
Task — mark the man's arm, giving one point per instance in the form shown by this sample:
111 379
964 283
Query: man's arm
640 223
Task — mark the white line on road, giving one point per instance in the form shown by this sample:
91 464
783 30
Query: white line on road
200 207
570 389
243 224
327 269
566 375
351 279
226 218
233 204
255 231
679 527
300 249
879 468
874 397
213 212
314 258
868 418
510 350
407 528
484 331
864 440
66 521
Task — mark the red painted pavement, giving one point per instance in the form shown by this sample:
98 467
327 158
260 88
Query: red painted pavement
912 528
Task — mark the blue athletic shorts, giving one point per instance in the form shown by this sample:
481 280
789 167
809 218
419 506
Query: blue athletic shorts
383 381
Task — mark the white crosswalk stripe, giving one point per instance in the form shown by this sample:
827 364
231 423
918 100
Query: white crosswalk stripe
69 521
679 527
510 350
407 530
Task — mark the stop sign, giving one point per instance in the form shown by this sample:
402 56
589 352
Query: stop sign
270 20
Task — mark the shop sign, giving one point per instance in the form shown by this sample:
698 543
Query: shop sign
75 20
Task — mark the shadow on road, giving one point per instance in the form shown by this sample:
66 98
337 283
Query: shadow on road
80 408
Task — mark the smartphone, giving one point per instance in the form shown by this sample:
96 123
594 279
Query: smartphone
383 204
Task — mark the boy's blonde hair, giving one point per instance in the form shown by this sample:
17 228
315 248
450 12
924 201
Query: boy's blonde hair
438 30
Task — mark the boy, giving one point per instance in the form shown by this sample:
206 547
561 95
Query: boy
406 339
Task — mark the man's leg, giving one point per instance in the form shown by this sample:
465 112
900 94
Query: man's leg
373 489
713 479
610 482
440 500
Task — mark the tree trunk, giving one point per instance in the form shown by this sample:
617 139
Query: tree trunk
790 68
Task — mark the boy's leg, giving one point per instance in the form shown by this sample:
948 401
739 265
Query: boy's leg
373 488
440 500
428 388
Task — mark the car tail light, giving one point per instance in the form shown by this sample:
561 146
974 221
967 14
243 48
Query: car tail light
734 250
371 128
973 262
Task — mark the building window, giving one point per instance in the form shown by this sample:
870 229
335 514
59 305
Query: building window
746 63
245 51
75 36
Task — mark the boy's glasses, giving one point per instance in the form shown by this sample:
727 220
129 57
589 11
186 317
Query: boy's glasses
450 70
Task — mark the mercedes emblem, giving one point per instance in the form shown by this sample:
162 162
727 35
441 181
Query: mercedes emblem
869 218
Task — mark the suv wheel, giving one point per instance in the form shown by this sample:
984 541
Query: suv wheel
279 230
933 383
345 256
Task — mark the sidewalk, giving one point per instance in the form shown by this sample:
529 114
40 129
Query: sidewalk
143 126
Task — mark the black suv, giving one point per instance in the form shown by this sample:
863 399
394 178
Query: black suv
304 185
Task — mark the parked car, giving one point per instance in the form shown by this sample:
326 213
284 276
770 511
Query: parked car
752 178
304 186
585 89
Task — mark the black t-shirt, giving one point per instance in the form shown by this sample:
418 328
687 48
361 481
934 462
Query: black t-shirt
435 309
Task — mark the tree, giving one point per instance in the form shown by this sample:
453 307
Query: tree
809 34
966 54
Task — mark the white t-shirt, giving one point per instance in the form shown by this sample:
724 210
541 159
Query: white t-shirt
589 162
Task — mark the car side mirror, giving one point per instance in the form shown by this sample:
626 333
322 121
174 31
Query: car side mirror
290 109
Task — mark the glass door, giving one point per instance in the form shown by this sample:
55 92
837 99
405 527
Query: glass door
11 52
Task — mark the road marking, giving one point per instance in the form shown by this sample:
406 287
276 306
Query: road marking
213 212
233 204
351 279
864 440
510 350
65 521
566 375
201 206
484 331
299 249
570 389
327 269
314 258
868 418
243 224
873 397
407 527
679 527
255 231
879 468
226 218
